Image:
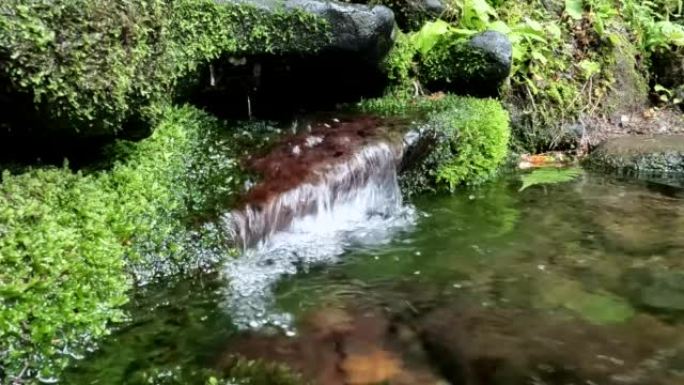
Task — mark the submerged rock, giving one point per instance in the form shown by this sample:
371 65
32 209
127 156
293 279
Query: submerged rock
661 290
640 154
337 346
478 346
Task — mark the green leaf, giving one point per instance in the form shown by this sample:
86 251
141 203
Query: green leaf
550 176
589 68
428 36
500 26
574 9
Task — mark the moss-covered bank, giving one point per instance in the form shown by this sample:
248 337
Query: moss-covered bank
74 242
103 68
467 139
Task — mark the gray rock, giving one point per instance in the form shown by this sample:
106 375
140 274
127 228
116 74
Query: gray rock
640 154
663 290
354 28
412 14
498 49
434 7
477 67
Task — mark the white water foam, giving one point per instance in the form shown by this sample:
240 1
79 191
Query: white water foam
356 202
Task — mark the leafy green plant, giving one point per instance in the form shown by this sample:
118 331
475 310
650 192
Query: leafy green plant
666 95
544 176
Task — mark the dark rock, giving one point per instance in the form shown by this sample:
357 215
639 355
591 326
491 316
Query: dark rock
661 290
640 154
477 346
354 28
343 70
477 67
412 14
425 147
668 68
498 49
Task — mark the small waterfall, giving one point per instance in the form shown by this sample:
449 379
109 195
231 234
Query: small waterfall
344 193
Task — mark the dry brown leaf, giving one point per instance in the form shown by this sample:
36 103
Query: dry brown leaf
373 368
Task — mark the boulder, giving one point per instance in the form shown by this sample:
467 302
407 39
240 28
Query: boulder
412 14
478 66
477 345
353 28
343 68
640 154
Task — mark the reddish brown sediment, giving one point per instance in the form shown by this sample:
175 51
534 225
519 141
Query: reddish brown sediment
315 170
339 346
465 344
301 159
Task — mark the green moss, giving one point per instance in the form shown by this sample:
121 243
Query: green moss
478 135
72 243
98 67
398 64
471 138
398 102
451 60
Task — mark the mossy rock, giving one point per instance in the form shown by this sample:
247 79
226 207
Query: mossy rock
462 140
477 66
640 154
101 68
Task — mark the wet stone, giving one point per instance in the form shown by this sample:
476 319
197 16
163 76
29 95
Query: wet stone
640 154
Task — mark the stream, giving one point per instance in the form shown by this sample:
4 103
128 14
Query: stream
575 283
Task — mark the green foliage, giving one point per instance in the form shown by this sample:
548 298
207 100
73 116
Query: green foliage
549 176
569 58
61 273
399 64
574 9
97 67
428 36
651 25
478 135
72 242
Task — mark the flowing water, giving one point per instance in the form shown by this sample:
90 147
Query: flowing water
575 283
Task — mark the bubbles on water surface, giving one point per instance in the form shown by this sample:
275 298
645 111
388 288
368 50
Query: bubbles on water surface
354 203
